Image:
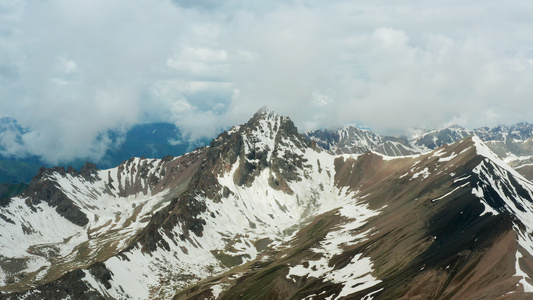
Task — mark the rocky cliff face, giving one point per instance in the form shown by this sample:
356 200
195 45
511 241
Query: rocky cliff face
264 213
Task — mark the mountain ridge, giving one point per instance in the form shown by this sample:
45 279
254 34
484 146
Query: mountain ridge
156 140
320 291
263 212
512 143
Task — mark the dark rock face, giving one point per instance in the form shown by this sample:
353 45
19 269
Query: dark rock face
89 172
256 157
70 286
7 219
42 188
101 273
150 238
184 210
224 152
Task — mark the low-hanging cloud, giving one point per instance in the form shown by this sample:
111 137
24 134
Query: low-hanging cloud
69 72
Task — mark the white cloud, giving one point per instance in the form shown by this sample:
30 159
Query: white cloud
70 71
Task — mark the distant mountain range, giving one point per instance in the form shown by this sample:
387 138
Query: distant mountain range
154 140
514 144
265 212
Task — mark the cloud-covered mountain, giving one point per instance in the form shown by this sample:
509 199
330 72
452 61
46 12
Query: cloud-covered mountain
263 213
153 140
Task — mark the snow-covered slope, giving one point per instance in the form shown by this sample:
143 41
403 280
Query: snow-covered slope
437 225
260 202
264 213
67 220
257 183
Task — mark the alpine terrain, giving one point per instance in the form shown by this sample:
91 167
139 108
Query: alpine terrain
265 212
514 144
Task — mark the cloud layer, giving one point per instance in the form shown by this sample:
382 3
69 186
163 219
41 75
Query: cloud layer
71 71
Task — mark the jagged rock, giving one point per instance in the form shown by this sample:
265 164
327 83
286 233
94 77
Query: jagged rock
89 172
101 273
42 188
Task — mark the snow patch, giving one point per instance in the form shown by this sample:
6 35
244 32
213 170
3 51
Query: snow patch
439 152
448 158
424 173
217 289
355 276
448 194
461 178
528 287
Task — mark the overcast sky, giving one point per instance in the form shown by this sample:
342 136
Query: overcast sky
71 70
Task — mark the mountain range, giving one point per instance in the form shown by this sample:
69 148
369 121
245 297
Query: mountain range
157 140
514 144
265 212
